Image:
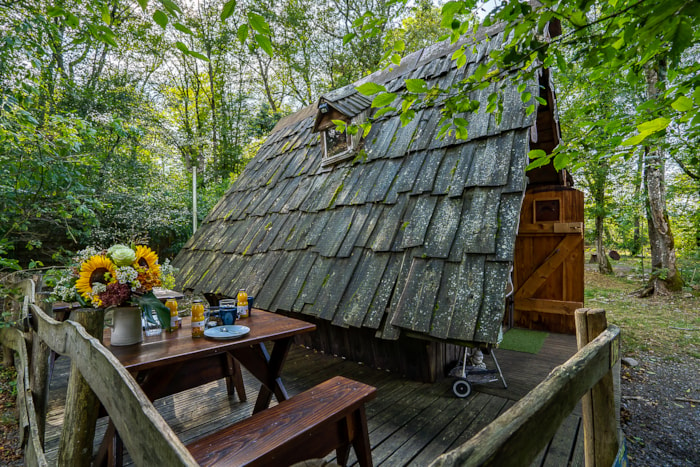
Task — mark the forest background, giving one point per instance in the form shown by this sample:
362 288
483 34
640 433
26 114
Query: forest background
113 112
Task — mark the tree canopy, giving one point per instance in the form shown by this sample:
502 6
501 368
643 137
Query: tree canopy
106 107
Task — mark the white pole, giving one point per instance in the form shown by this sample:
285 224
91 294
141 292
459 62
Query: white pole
194 200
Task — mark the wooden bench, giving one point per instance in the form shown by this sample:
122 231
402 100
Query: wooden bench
327 417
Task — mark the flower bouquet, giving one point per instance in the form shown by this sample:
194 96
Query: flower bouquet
118 276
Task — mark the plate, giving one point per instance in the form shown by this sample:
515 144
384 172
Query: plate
227 332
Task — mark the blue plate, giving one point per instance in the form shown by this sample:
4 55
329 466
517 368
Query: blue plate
227 332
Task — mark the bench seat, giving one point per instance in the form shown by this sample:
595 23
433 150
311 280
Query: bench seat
327 417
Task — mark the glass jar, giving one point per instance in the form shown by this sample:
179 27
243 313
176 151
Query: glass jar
242 304
197 318
171 304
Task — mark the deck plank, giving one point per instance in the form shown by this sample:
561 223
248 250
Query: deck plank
410 423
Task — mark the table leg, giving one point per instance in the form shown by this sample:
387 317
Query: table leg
266 368
111 452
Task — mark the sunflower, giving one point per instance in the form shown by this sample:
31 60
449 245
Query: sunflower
147 265
93 271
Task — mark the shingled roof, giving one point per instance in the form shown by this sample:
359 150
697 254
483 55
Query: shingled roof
417 235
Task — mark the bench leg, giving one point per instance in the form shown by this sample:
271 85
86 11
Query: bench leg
356 433
363 449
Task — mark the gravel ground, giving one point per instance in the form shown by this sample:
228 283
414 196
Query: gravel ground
661 411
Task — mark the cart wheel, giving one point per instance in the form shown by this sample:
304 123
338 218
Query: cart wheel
462 388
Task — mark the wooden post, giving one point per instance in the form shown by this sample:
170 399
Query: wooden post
82 405
598 405
39 374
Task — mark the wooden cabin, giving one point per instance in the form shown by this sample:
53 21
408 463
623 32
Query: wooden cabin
399 245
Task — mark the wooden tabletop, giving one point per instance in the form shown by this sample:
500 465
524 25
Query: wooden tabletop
178 346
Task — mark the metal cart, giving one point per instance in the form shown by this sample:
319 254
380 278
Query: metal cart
475 372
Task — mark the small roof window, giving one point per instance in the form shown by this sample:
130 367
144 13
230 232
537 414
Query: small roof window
337 145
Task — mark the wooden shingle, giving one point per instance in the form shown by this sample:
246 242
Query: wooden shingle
409 234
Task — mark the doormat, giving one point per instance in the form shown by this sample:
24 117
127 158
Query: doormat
523 340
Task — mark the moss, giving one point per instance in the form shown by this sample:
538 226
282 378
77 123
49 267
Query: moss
205 273
325 280
268 226
273 176
454 169
335 195
361 157
404 225
247 248
291 232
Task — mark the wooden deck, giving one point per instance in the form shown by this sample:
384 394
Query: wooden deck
410 423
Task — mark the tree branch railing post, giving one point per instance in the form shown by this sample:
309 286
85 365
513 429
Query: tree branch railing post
146 435
600 405
518 435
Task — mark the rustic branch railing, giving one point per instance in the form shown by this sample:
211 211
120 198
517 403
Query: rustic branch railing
147 437
519 434
514 438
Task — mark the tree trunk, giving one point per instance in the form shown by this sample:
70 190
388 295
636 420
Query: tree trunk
600 175
637 240
604 266
665 276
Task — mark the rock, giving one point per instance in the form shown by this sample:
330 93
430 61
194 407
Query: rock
629 361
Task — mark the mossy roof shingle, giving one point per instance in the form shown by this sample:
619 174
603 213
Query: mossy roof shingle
417 235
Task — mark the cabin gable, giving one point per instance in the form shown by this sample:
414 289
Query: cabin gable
411 236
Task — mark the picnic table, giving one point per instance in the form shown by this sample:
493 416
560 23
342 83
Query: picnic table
172 362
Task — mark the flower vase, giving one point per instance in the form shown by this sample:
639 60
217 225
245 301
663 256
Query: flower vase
126 325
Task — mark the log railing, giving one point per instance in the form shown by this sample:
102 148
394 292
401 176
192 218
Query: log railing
519 434
147 437
514 438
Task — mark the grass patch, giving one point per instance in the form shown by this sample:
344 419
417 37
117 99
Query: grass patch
668 326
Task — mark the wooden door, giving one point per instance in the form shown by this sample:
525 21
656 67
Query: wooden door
548 268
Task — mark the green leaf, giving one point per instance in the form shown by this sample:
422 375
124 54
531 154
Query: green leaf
578 19
369 89
198 55
160 18
539 162
406 117
242 33
399 46
366 127
396 59
416 86
526 97
383 110
561 160
182 28
636 139
383 99
536 154
105 14
654 126
183 48
265 43
143 4
228 9
530 109
449 10
54 11
682 104
461 61
348 37
172 8
258 23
